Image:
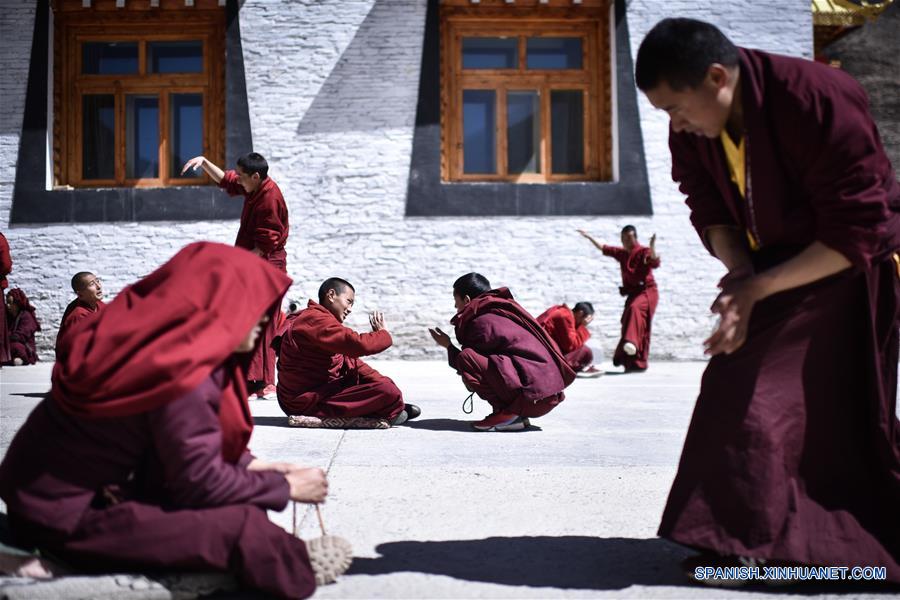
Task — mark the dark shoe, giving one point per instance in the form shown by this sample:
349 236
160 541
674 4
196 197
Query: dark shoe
502 421
400 419
412 411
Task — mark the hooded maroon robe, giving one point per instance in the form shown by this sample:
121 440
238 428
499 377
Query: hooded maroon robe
793 451
137 457
559 323
320 373
507 357
5 269
264 225
22 328
641 298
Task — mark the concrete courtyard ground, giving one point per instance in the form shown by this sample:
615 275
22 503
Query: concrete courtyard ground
566 509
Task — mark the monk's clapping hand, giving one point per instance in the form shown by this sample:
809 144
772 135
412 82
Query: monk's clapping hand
376 320
733 306
440 338
307 485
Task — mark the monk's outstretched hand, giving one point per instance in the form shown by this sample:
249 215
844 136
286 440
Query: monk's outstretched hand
376 320
195 163
307 485
439 337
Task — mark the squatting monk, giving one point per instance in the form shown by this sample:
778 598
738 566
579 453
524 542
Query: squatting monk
23 324
793 451
137 458
641 296
88 302
506 357
264 231
568 328
5 269
320 372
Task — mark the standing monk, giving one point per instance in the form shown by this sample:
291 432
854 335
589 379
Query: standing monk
88 301
793 452
320 373
5 269
641 297
506 358
264 231
137 458
568 328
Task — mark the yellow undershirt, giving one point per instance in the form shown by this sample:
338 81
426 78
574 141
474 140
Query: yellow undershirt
736 156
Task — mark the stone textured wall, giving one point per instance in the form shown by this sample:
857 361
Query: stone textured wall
332 90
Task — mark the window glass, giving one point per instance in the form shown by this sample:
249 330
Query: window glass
175 57
553 53
567 131
186 130
523 136
479 131
98 157
142 136
109 58
490 53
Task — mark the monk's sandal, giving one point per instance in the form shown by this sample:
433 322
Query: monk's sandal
330 556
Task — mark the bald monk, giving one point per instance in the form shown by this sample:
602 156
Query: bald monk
320 372
506 358
137 459
641 296
568 328
5 269
88 302
793 451
264 231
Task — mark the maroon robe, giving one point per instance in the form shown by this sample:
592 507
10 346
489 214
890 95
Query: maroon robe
321 375
5 269
137 458
76 311
507 358
22 328
264 225
559 322
641 298
793 451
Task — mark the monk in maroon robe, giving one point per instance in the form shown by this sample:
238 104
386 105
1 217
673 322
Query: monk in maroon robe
88 290
320 373
23 324
641 296
5 269
264 231
137 458
793 452
506 358
568 328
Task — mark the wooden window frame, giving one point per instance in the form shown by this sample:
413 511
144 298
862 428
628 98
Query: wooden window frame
75 27
589 21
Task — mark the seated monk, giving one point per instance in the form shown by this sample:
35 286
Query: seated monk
137 458
568 328
320 373
507 358
89 301
22 325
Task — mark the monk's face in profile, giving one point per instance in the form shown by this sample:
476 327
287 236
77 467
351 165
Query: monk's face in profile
340 304
460 301
91 290
249 342
629 239
248 181
11 306
703 110
581 318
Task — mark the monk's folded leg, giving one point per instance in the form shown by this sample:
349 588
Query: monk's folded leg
131 535
378 399
580 358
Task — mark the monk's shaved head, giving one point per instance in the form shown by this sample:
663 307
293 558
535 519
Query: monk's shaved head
334 283
471 285
629 229
585 307
80 279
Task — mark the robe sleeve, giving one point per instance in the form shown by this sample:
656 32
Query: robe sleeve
332 337
268 232
188 440
708 208
564 326
231 184
582 335
6 262
614 251
25 328
838 164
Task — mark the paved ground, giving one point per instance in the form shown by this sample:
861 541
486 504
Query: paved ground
436 510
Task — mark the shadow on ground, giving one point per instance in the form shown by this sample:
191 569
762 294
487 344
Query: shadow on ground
31 394
454 425
271 422
567 562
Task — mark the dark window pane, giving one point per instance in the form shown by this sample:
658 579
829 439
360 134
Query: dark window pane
490 53
109 58
142 136
554 53
186 133
175 57
523 142
98 122
567 131
479 122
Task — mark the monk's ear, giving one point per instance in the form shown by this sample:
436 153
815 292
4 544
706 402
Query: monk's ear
717 75
466 299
